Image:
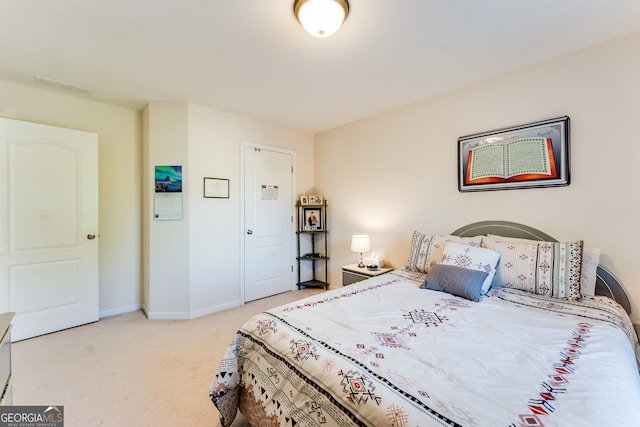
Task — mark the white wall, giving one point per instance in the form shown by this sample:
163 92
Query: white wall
165 242
215 224
119 136
209 145
390 174
194 264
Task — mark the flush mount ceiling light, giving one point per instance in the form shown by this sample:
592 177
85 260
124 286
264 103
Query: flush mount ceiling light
321 18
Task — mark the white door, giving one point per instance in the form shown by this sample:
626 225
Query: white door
268 222
48 227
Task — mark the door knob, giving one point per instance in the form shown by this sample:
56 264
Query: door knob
91 236
249 231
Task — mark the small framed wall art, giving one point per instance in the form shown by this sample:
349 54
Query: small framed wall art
216 188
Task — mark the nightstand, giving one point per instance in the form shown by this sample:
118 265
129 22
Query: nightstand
5 359
352 273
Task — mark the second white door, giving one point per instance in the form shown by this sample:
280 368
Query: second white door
268 221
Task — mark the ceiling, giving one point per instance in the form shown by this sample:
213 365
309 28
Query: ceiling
251 57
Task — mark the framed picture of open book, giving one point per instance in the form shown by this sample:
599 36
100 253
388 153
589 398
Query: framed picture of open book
531 155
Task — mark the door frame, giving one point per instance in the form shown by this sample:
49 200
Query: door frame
248 144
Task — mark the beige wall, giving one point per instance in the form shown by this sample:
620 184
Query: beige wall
215 139
213 149
395 172
390 174
165 243
209 144
193 266
119 151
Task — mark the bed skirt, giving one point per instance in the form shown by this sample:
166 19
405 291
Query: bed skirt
254 411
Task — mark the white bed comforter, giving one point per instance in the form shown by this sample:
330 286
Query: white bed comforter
385 353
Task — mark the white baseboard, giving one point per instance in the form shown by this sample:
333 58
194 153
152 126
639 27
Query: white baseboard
214 309
159 315
120 310
154 315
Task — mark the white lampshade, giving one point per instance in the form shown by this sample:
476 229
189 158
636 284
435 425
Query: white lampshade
360 243
321 18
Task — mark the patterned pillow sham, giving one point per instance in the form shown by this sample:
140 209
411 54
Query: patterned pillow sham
426 250
459 281
465 256
590 262
543 268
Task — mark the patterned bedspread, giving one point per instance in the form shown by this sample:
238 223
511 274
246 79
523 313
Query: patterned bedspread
383 352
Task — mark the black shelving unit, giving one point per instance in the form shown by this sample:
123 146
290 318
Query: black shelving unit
315 236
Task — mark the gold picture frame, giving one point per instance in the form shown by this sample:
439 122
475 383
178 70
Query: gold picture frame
215 188
315 200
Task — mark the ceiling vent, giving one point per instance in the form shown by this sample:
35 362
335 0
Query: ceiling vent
68 87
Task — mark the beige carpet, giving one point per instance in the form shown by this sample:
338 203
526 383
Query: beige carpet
127 370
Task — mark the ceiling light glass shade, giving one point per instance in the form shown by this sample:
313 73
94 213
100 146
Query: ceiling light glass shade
321 18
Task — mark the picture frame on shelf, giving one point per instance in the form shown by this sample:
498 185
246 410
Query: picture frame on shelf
315 199
304 201
312 219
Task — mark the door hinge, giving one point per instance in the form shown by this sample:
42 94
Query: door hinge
291 169
292 268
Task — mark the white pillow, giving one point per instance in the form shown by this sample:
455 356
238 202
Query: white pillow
473 258
426 250
590 262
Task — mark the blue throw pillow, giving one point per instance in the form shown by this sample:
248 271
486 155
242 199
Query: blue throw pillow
462 282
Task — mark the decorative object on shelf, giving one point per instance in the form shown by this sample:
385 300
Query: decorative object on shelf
360 243
312 200
531 155
321 18
312 219
312 235
315 200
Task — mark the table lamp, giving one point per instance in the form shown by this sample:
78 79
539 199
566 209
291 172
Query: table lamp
360 243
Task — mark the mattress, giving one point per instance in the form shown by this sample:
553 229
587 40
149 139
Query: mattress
384 352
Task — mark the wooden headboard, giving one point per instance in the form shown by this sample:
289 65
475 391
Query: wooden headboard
606 283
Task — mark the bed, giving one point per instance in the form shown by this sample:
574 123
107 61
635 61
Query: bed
432 345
